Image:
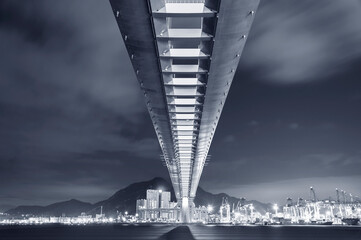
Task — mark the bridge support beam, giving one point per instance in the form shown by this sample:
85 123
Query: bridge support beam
186 208
185 54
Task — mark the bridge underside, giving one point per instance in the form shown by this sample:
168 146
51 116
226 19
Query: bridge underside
185 54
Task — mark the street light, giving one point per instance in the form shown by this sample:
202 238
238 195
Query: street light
275 207
210 208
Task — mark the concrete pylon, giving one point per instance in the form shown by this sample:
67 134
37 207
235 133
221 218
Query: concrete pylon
186 208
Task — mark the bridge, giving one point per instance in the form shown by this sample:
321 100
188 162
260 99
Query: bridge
185 54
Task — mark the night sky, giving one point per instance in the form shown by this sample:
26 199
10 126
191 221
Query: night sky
73 122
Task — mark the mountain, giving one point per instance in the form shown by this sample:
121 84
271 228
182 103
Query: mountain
5 207
125 200
204 198
71 208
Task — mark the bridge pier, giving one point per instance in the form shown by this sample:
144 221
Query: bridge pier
186 208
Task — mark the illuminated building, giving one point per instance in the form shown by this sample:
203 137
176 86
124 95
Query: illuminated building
164 199
152 199
140 205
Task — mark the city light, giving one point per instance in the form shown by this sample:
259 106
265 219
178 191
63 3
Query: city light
275 207
158 207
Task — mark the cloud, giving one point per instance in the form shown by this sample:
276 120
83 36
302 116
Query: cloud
293 126
279 191
296 42
325 159
72 112
66 80
229 139
327 126
62 61
235 169
253 123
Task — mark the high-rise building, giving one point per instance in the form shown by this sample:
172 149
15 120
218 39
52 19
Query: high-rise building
200 214
140 207
164 199
157 206
152 199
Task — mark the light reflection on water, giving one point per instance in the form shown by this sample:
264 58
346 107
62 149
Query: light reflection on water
178 232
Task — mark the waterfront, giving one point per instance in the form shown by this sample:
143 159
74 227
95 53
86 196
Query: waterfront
158 208
184 232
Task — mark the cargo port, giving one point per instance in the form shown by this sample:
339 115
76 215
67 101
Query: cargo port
343 209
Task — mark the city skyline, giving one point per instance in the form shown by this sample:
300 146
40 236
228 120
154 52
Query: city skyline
74 123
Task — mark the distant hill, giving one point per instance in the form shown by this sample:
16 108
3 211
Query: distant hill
6 207
125 200
204 198
71 208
